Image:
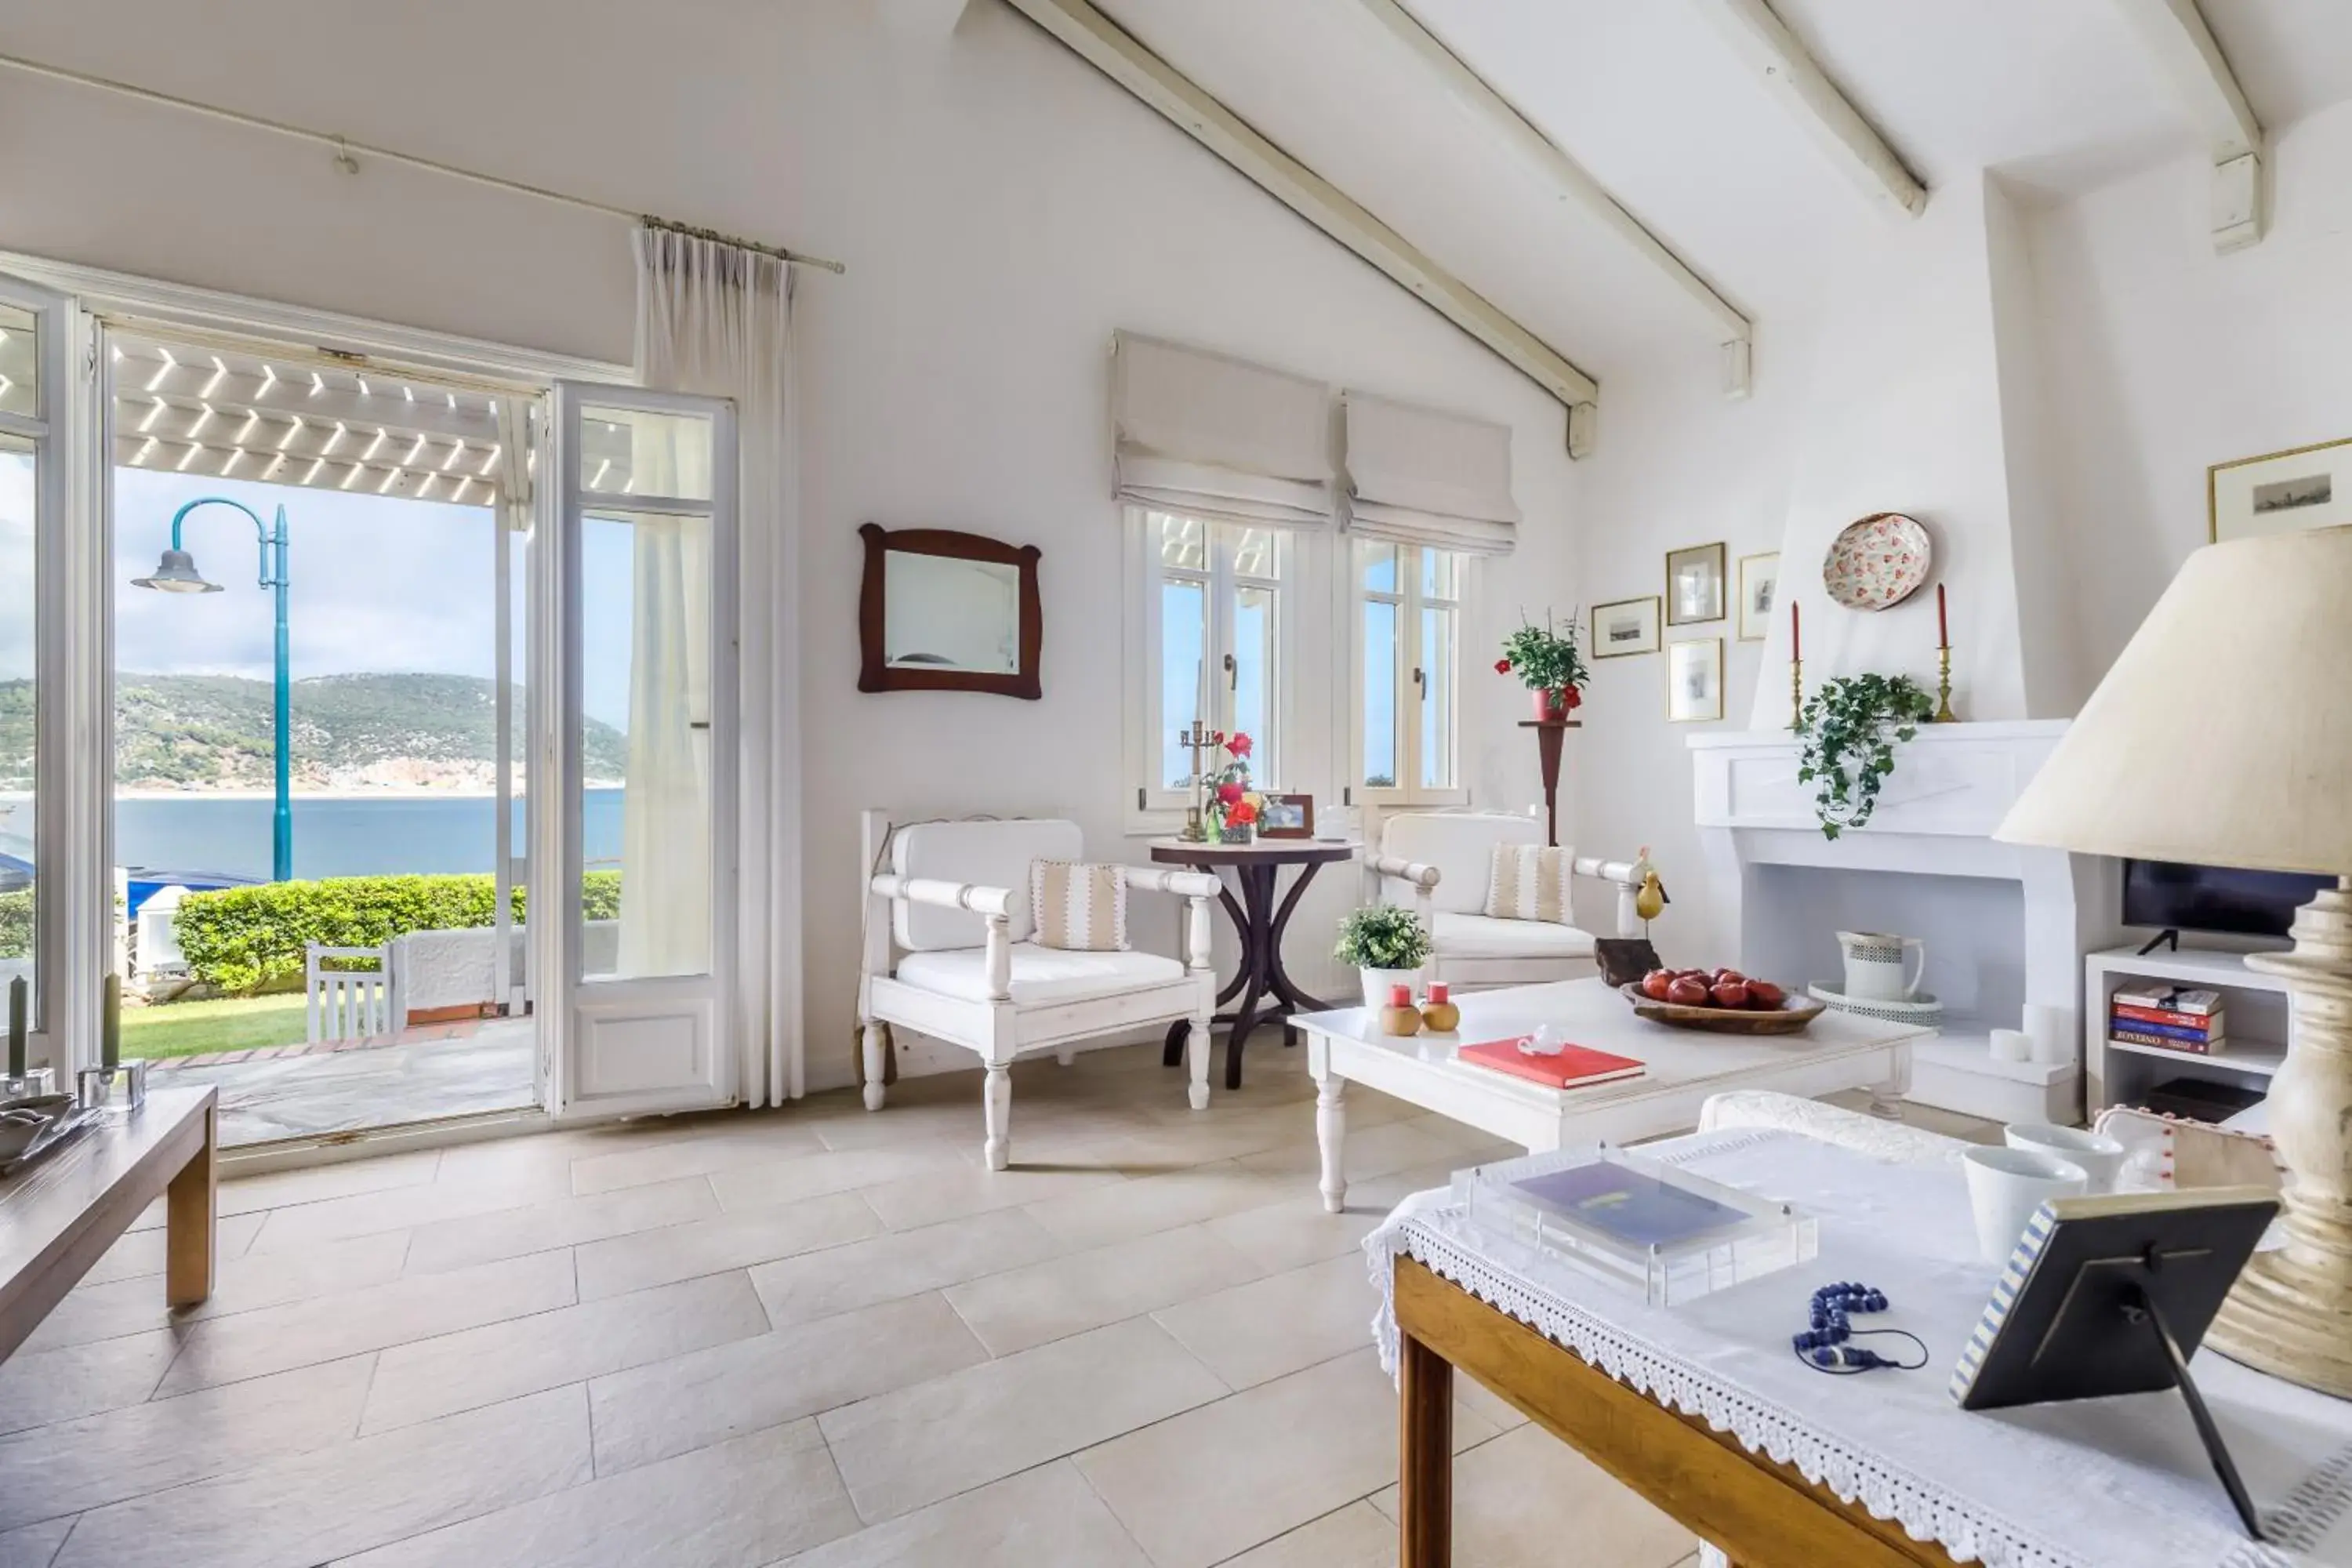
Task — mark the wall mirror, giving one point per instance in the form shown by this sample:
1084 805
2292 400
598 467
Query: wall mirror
942 611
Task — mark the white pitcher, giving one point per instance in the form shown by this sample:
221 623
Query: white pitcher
1879 967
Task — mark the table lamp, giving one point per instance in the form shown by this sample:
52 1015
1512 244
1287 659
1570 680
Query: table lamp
2222 736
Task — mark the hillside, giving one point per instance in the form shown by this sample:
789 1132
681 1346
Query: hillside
211 732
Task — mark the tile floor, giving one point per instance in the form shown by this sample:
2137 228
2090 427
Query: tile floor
814 1337
424 1076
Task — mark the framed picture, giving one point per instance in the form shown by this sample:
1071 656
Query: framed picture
1759 587
1287 816
1694 585
1625 627
2283 492
1695 680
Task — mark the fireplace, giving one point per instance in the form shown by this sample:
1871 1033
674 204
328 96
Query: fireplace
2003 925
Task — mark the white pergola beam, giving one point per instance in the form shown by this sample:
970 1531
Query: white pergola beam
2182 47
1552 163
1118 55
1791 73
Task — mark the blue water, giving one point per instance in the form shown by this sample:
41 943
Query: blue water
340 837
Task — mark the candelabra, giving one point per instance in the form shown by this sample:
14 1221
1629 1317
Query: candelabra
1196 739
1944 714
1796 694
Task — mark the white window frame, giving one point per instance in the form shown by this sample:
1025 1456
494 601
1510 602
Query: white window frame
1412 693
1283 759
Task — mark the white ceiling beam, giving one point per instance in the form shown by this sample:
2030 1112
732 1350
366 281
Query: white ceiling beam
2182 47
1119 55
1573 181
1765 43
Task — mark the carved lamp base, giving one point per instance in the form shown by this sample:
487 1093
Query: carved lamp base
2290 1313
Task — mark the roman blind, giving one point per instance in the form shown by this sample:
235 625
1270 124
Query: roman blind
1218 437
1420 476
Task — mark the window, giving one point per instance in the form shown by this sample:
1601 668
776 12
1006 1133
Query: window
1407 612
1214 643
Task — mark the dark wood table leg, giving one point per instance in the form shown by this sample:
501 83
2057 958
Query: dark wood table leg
190 1203
1294 1000
1424 1457
1257 896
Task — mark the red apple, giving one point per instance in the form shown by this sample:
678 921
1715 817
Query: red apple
1688 991
1766 996
1731 994
1720 976
1654 983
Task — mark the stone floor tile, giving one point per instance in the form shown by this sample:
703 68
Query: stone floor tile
807 1176
40 1387
436 1247
900 1263
1518 1496
1044 1517
239 1285
1252 1332
1063 1296
719 1244
1357 1536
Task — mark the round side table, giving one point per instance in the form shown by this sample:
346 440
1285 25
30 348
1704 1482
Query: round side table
1265 987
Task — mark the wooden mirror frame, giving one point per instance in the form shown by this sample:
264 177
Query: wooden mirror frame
877 674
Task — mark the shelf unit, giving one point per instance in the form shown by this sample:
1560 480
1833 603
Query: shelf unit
2120 1073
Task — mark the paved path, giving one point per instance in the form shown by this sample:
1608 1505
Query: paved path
265 1096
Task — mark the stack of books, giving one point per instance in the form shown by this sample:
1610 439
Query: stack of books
2169 1017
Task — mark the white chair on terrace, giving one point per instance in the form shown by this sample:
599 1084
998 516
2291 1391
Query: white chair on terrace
948 953
350 1004
1438 862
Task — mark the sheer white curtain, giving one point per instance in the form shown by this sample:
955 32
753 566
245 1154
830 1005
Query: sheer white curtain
716 319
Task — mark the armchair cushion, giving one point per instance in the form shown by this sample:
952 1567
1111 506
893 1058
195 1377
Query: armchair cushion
1460 846
1454 935
1530 883
986 854
1078 908
1042 976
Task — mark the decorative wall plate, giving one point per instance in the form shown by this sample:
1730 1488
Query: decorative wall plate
1877 563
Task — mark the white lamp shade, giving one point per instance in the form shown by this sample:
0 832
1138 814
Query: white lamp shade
2223 734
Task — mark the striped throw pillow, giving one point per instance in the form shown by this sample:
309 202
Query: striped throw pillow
1529 882
1077 907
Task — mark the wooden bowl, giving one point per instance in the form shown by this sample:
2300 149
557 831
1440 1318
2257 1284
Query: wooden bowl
1789 1020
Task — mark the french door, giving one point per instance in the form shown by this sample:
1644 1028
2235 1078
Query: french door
636 595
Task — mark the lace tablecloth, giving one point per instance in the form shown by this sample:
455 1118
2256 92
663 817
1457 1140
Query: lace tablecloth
2089 1484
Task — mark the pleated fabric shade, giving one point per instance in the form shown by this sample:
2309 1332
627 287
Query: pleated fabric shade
2222 736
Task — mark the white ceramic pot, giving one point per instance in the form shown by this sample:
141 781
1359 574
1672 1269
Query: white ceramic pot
2100 1156
1879 966
2006 1186
1378 983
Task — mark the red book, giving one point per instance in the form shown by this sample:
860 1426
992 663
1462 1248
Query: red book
2203 1022
1575 1067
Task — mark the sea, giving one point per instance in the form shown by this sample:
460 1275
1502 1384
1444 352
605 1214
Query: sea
340 836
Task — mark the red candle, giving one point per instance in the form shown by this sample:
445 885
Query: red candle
1943 624
1796 642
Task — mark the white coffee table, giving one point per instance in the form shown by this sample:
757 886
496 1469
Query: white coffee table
1837 1051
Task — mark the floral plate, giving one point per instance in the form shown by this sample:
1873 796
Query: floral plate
1877 563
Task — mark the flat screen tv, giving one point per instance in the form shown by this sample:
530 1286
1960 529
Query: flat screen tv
2163 894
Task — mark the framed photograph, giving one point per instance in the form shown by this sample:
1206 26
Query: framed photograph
1627 628
1287 816
1694 585
1759 587
1695 680
2283 492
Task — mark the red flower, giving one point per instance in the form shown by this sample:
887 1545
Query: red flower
1571 698
1229 794
1502 667
1239 745
1242 815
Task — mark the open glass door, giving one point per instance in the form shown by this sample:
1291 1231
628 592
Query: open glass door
635 974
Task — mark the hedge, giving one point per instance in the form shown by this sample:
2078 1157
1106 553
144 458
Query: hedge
238 940
16 923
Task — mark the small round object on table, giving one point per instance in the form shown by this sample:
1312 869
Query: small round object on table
1877 563
1789 1020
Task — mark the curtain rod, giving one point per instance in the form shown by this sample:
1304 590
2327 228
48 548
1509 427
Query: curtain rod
345 150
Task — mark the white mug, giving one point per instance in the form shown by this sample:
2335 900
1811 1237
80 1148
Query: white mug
2006 1186
2011 1045
1877 967
2100 1156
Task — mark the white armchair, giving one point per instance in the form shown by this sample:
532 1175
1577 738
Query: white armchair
948 953
1436 862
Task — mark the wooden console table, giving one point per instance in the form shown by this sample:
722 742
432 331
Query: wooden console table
1762 1514
58 1218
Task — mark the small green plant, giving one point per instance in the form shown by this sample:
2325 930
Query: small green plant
1545 658
1382 937
1847 730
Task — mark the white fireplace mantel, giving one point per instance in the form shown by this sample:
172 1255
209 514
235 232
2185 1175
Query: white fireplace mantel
1935 818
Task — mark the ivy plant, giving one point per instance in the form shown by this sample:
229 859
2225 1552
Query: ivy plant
1847 732
1382 936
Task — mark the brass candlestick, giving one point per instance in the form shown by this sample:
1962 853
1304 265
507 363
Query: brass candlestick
1197 739
1796 694
1944 714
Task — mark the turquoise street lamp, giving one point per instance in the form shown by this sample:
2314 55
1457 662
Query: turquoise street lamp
177 574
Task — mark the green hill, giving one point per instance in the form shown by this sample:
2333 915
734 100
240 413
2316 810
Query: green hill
197 732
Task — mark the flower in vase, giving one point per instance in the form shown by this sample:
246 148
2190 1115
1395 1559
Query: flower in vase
1242 814
1229 795
1238 745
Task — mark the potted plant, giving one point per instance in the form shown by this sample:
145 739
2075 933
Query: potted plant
1546 661
1847 731
1387 944
1234 808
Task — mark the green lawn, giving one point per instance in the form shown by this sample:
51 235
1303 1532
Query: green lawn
231 1023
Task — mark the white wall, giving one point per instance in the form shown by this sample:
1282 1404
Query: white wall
1002 209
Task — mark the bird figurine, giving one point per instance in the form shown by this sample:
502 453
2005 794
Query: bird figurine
1651 900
